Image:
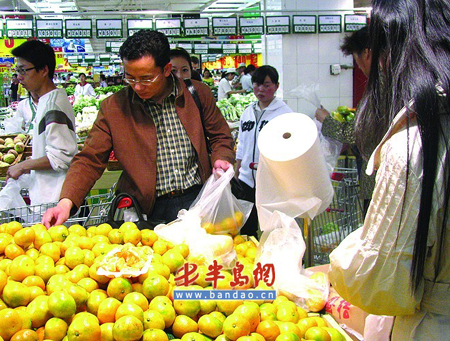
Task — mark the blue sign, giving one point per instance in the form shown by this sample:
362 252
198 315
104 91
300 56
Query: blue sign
69 45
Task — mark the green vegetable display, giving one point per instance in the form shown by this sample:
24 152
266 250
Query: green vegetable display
232 108
112 88
343 114
70 90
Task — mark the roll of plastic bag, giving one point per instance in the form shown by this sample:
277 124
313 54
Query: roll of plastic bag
292 174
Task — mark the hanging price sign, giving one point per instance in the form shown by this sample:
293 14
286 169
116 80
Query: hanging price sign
251 26
196 27
134 25
224 26
109 28
353 22
229 48
278 25
186 46
19 28
330 24
201 48
49 28
170 27
304 23
113 46
78 28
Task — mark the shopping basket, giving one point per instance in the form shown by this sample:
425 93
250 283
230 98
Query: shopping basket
93 211
343 216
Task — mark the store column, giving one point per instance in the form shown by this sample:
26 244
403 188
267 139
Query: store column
306 58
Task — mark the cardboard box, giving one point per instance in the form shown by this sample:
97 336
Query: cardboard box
352 317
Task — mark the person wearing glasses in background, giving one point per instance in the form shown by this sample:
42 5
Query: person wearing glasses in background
54 138
156 131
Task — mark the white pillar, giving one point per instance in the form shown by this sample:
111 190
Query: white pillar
306 58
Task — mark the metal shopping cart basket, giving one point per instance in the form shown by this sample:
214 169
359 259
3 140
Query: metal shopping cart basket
343 216
93 211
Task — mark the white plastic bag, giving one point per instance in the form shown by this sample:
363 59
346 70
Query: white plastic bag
12 125
307 92
331 149
10 196
219 210
284 247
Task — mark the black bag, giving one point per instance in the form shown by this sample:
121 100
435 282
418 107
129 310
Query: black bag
141 223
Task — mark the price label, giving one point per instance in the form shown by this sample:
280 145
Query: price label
109 28
201 48
330 24
89 58
49 28
224 26
229 48
353 22
304 23
113 46
186 46
245 48
196 27
278 25
135 25
78 28
170 27
251 26
215 48
19 28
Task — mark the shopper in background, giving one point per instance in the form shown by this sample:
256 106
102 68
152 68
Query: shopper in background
207 78
181 63
196 71
54 138
246 79
22 92
26 109
225 89
157 134
103 83
254 118
398 263
83 88
14 87
356 44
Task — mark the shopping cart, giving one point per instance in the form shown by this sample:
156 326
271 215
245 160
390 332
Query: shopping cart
343 216
93 211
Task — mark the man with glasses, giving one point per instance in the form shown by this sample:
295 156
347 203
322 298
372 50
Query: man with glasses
157 133
53 121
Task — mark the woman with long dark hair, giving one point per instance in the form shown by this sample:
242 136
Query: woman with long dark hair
397 264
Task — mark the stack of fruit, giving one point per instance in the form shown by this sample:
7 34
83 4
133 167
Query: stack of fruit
50 289
11 150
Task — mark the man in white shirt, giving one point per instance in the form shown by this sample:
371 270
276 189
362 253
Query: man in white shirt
225 89
83 88
54 138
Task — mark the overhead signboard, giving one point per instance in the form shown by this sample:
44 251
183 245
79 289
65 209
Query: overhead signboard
170 27
49 28
278 25
330 24
304 23
354 22
229 48
201 48
19 28
104 57
196 27
186 46
113 46
224 26
215 48
78 28
245 48
109 28
251 25
134 25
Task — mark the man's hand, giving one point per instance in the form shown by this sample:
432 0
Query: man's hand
16 171
58 214
221 164
321 114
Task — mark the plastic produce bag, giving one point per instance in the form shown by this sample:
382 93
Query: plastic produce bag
331 149
219 210
284 247
307 92
12 125
10 196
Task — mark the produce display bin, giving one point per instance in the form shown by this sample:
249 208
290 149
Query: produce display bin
343 216
94 211
20 157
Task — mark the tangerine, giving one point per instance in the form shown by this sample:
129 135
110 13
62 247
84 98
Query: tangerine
128 328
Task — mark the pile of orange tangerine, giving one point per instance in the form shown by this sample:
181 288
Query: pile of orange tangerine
50 290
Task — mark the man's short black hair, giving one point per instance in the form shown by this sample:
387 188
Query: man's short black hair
37 53
249 68
195 60
266 70
146 43
356 42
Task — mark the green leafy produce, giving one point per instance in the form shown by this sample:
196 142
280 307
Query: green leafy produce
343 114
329 227
233 107
112 88
70 90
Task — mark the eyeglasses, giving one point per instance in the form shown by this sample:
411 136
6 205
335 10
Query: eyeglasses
143 82
24 71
